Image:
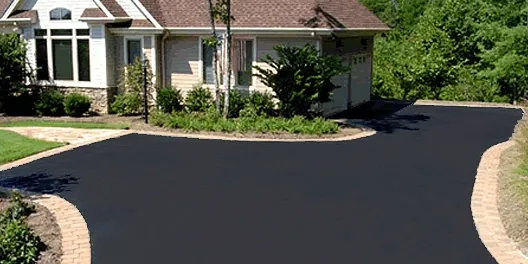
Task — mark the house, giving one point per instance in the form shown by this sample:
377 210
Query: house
82 45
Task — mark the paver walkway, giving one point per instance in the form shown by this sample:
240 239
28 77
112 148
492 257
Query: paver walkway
63 134
400 196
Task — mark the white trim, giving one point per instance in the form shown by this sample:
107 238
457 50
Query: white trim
125 47
49 48
75 59
147 14
10 9
153 60
134 31
254 78
70 84
200 60
103 7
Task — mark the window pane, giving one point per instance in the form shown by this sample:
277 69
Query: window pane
55 14
83 56
208 73
42 60
83 32
134 50
41 32
61 32
62 60
65 14
244 61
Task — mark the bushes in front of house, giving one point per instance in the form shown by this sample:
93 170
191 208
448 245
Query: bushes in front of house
199 99
18 244
169 100
76 105
51 103
127 104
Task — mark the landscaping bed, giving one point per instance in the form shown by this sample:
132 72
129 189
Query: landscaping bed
513 187
28 231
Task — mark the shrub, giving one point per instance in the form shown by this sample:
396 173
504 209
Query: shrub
262 103
18 244
300 78
248 122
169 100
237 102
12 65
21 103
199 99
76 105
51 103
127 104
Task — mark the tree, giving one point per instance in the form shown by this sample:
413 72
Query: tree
12 65
214 42
300 78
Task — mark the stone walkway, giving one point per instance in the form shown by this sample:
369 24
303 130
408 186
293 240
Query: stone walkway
64 134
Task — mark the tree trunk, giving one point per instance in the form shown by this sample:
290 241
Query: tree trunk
215 55
228 59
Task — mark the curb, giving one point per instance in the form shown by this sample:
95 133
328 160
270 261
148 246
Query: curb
467 104
485 209
228 138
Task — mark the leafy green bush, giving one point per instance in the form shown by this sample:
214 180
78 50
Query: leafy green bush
51 103
12 66
127 104
76 105
18 244
262 103
237 102
169 99
199 99
22 103
300 78
248 122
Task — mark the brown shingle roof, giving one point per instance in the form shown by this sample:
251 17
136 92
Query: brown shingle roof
93 12
32 14
114 8
268 13
135 23
4 5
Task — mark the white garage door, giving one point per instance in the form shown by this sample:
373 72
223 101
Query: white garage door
360 83
354 87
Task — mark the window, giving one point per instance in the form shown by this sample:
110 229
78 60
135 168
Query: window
207 54
133 47
42 60
243 62
69 59
60 14
83 58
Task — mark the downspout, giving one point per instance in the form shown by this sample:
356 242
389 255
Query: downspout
166 34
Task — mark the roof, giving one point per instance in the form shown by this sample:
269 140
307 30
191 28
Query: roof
31 14
114 8
268 14
93 12
135 23
4 5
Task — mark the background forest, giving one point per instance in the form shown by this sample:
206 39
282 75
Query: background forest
475 50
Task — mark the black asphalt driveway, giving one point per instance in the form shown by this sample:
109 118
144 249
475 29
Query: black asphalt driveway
401 196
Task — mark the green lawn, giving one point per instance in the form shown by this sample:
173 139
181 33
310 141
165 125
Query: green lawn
43 123
13 146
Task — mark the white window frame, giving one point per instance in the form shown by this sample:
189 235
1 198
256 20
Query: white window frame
233 75
125 47
60 20
49 41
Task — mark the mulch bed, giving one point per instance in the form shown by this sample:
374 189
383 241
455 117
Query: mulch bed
512 209
137 123
43 224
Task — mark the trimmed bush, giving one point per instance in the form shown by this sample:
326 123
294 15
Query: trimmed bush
213 121
21 103
51 103
127 104
237 102
262 103
76 105
199 99
169 99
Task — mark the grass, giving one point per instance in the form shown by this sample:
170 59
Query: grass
13 146
521 181
211 121
44 123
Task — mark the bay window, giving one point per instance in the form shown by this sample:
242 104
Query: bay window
65 51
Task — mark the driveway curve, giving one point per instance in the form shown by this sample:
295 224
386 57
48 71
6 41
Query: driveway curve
401 196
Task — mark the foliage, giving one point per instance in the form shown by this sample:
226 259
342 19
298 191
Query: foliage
212 121
76 105
261 103
169 99
237 102
199 99
18 244
300 78
127 104
51 103
12 65
451 50
22 102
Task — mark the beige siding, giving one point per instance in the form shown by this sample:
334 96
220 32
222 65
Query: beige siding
158 61
111 60
119 55
182 62
265 46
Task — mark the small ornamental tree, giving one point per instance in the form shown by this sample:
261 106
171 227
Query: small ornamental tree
12 65
300 78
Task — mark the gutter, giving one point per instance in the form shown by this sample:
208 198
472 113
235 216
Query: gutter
166 34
